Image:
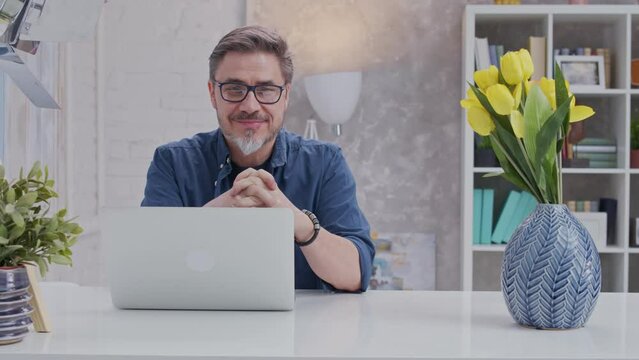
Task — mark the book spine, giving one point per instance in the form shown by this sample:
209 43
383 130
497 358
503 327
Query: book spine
597 156
609 206
488 198
477 210
595 148
504 217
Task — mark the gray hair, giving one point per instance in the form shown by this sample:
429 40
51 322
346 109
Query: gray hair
249 39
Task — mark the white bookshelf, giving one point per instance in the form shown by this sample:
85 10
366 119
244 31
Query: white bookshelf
596 26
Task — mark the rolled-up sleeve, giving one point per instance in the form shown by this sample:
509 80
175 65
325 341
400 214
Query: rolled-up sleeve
339 213
161 185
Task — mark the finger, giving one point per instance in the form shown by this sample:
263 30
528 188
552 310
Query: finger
267 178
244 174
243 184
246 202
265 196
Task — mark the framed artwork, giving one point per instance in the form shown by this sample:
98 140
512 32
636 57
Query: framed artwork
404 261
583 72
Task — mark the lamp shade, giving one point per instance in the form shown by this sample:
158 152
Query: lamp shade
334 96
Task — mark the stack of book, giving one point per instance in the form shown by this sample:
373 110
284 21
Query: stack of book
517 207
597 152
603 205
486 55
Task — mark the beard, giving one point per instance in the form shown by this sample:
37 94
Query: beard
249 142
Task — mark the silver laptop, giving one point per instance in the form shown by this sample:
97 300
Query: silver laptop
200 258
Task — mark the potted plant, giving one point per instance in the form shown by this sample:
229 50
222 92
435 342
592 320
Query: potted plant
29 235
551 261
634 142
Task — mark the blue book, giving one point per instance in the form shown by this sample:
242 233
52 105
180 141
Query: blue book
502 224
525 205
492 51
500 53
488 198
477 199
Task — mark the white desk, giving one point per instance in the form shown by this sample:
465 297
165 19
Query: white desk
433 325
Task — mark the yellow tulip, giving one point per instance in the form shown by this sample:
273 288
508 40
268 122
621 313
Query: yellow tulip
517 95
548 88
517 122
580 112
487 77
470 101
480 120
500 99
511 68
526 63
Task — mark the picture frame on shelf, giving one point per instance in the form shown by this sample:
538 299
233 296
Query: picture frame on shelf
583 72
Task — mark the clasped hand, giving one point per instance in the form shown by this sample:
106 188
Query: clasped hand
253 188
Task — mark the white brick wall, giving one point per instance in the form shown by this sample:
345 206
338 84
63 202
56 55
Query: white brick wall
155 82
154 70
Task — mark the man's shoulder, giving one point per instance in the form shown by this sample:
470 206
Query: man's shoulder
310 147
198 142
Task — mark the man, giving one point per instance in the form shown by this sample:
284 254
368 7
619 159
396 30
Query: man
251 161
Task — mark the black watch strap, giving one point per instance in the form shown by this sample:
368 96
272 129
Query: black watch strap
316 228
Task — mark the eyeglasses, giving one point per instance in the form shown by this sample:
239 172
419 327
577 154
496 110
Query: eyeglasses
236 92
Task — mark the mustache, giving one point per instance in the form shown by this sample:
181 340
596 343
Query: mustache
247 116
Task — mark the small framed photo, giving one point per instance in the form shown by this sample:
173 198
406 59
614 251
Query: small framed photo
583 72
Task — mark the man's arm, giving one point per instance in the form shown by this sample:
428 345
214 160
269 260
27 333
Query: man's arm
161 186
342 254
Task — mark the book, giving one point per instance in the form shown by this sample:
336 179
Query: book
572 205
634 235
602 164
482 56
605 52
593 148
525 206
500 53
580 206
504 217
488 198
609 206
477 203
492 51
596 156
537 49
596 141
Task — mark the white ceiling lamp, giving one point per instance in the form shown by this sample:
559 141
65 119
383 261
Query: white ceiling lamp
24 23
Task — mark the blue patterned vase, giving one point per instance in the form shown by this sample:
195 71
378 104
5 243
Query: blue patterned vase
551 274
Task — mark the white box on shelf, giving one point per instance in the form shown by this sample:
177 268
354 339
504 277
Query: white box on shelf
596 223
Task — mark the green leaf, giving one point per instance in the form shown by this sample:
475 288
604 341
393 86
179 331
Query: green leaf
34 170
549 132
16 232
1 171
17 219
493 174
536 112
5 251
561 95
3 231
10 196
3 240
62 213
42 265
77 230
60 259
27 199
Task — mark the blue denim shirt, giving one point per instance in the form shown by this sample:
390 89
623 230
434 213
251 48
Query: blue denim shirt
313 175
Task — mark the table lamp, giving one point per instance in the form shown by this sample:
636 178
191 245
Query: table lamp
334 96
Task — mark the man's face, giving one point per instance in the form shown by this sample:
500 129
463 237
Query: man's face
249 124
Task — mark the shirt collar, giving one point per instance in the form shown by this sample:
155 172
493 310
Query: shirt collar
278 158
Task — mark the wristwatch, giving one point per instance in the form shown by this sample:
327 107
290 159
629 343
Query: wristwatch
316 228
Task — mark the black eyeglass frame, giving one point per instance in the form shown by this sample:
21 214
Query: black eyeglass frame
250 88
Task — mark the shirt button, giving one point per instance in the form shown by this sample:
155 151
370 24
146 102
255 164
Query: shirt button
215 183
221 166
228 160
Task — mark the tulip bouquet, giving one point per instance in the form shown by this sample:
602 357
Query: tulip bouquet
526 121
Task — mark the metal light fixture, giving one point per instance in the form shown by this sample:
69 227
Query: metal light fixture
24 23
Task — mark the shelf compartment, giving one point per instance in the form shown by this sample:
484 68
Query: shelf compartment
596 31
594 187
